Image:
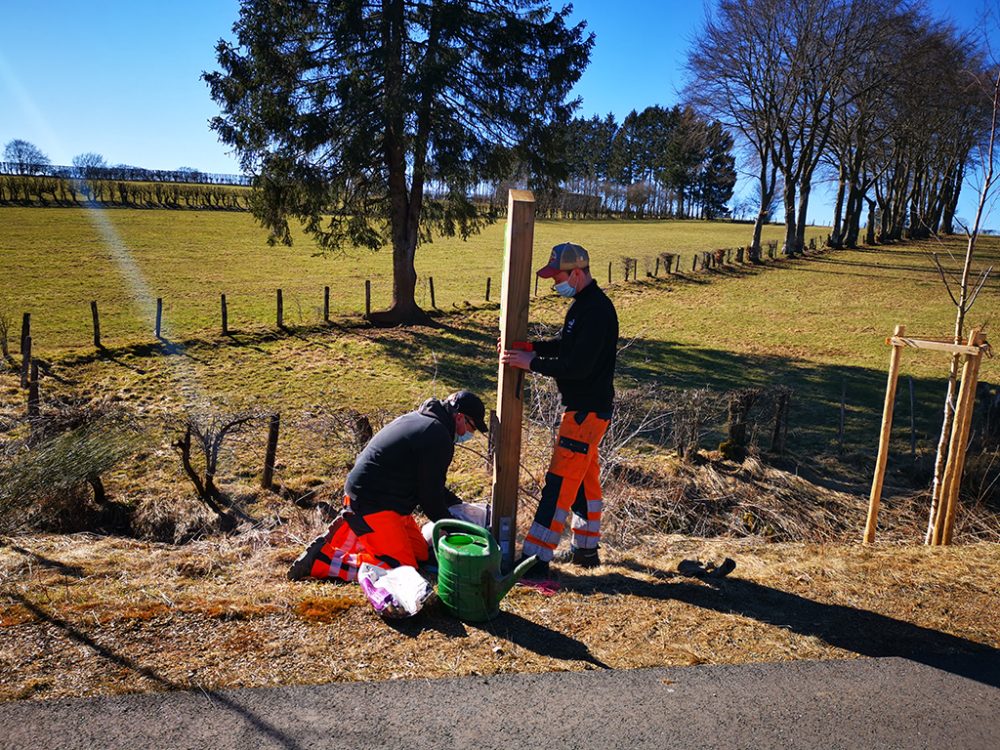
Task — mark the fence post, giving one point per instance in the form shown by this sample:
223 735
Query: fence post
97 324
609 271
281 311
267 479
430 280
25 360
33 391
489 280
368 298
25 328
326 304
159 317
225 317
694 263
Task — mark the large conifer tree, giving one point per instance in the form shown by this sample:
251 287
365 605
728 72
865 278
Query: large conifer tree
346 111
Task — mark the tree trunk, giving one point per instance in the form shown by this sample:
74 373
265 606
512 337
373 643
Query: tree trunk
838 207
790 248
870 228
800 226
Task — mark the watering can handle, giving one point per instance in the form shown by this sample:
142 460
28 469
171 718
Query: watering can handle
456 524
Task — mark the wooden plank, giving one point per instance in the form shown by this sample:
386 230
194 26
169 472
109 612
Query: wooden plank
514 295
937 346
883 442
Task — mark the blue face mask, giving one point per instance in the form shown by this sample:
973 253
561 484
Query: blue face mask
565 289
459 439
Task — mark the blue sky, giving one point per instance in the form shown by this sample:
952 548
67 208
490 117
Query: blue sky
122 78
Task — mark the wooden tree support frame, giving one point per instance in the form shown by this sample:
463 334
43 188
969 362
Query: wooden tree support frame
945 509
514 297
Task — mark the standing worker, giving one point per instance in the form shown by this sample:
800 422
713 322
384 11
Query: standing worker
582 361
404 465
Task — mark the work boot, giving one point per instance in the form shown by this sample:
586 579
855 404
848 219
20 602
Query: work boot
302 567
537 572
584 558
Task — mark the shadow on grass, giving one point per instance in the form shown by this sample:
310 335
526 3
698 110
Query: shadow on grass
258 724
857 630
74 571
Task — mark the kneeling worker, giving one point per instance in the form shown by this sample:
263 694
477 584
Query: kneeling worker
403 466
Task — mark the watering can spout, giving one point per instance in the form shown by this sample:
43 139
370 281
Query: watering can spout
516 575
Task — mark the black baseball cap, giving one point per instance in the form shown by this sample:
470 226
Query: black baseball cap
470 405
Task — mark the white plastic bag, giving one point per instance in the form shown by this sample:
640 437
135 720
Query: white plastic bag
477 513
397 593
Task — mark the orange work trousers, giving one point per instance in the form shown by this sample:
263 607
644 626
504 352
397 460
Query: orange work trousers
386 539
571 484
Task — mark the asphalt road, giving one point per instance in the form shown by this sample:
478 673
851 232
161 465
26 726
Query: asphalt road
865 703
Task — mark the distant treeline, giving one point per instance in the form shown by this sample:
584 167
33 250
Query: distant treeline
58 190
121 172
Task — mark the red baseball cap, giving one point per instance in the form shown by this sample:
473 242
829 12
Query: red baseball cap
565 257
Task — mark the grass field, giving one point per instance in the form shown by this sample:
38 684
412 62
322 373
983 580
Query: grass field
817 324
55 261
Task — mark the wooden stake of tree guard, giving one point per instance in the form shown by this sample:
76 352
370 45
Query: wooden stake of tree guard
514 295
961 420
944 520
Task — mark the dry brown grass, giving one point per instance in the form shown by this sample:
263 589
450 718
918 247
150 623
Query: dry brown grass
85 615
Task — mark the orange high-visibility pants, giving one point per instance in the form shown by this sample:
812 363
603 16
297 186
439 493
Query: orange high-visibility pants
572 483
386 539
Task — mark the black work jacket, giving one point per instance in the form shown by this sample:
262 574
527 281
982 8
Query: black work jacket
582 359
405 464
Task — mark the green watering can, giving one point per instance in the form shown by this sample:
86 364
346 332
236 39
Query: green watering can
469 582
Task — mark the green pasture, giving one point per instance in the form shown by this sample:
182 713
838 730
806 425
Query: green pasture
55 261
817 324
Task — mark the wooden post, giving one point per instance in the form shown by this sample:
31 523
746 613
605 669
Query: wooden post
609 271
25 360
281 311
97 324
656 271
159 317
694 263
267 479
33 391
843 415
678 264
518 242
25 328
489 280
961 423
430 282
536 286
225 317
883 443
326 304
368 298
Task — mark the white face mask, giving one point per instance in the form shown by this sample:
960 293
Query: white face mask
565 289
459 439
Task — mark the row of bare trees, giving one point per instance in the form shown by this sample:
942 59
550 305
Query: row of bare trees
879 95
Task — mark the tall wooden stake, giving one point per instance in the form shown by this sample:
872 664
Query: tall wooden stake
883 441
961 423
281 311
515 291
159 317
326 304
225 316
